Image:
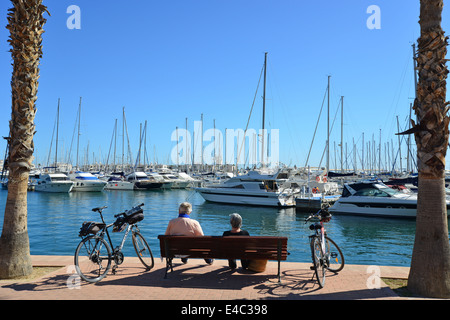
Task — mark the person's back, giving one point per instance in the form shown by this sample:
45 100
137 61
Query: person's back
185 226
236 223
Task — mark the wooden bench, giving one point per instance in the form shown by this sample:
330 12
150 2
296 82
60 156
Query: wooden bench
217 247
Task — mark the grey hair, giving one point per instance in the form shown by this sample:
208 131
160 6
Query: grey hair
185 207
235 220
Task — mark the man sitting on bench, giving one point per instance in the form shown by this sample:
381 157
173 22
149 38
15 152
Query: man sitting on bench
185 226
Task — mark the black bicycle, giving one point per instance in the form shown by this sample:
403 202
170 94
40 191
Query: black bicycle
325 253
94 256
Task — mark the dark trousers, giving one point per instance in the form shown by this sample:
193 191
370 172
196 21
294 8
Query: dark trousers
244 263
208 261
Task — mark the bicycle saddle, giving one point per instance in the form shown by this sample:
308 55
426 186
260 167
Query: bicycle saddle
99 209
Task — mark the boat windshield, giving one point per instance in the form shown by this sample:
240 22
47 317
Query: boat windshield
388 190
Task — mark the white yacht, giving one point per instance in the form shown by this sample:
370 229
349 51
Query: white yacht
311 194
53 182
176 181
374 198
166 183
116 181
142 182
86 181
253 188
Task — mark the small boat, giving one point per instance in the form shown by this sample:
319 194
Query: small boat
86 181
374 198
54 182
117 181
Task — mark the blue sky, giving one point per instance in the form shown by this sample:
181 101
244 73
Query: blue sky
165 61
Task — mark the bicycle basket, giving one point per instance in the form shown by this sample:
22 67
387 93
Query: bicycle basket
135 216
90 227
120 224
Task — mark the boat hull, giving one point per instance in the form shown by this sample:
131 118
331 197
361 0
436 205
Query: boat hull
147 185
60 187
119 185
400 209
245 198
84 186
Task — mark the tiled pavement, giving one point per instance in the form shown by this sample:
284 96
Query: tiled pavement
198 281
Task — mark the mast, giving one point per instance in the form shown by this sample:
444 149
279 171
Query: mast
57 129
264 109
328 128
342 133
123 139
78 135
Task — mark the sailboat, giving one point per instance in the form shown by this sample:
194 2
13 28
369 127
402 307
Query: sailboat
258 188
54 181
84 181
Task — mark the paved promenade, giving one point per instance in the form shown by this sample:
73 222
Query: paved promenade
198 281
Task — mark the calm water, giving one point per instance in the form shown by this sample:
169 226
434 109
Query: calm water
54 221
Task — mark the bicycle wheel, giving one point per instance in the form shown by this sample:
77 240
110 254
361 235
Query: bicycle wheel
92 259
318 260
334 257
143 250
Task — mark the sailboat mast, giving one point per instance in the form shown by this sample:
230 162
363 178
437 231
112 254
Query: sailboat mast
57 129
328 127
264 109
78 135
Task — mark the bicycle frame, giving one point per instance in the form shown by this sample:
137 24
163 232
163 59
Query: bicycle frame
105 230
120 247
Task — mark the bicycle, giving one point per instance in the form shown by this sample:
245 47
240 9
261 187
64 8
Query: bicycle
94 256
325 253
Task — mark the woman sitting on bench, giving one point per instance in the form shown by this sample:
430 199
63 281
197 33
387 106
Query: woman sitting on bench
236 224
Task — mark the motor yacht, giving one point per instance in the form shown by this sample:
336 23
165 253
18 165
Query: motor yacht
116 181
176 181
86 182
53 182
252 188
166 183
142 182
374 198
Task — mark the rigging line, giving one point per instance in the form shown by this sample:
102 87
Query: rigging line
315 130
331 130
51 143
283 108
251 110
69 160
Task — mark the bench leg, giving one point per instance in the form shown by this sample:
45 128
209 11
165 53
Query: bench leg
279 273
168 265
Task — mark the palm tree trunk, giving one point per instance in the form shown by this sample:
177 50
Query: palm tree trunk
430 264
25 23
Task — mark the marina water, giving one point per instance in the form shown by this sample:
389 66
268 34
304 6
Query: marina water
54 221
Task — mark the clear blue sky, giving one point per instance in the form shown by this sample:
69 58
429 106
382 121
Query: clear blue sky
165 61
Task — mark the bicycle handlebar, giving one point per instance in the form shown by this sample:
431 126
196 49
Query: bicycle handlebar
125 213
316 215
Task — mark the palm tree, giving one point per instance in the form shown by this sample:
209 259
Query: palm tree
25 23
430 265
